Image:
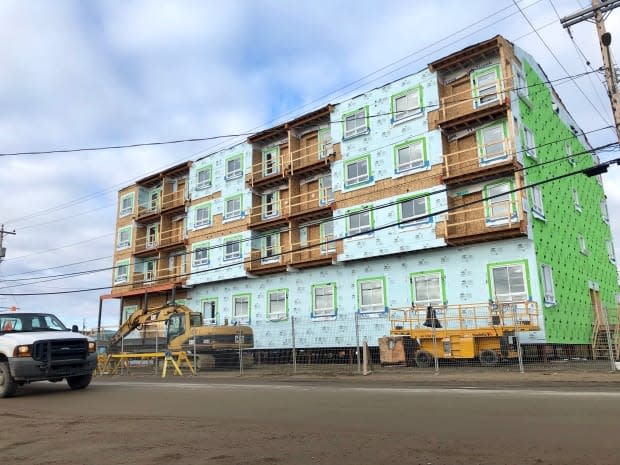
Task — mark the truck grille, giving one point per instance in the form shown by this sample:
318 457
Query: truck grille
60 350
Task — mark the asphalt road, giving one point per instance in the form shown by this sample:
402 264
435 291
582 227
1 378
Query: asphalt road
140 422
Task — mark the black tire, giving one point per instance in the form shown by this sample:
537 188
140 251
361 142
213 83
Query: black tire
79 382
8 386
488 358
423 358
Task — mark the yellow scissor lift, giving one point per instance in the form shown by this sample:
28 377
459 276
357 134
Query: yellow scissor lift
487 332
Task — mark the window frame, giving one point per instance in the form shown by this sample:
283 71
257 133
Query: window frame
275 203
374 306
277 255
576 201
568 148
548 285
118 278
583 246
241 318
409 113
122 212
426 198
530 150
604 211
488 203
203 260
440 274
232 240
475 87
521 84
525 273
324 312
358 130
204 184
326 194
611 251
227 214
211 321
538 208
275 151
357 212
347 183
327 247
236 173
205 222
122 245
281 315
482 145
410 166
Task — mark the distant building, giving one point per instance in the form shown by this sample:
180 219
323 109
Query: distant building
404 195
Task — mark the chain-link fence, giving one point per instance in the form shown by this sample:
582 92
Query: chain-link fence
506 337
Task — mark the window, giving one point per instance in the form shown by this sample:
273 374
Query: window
485 86
498 202
356 123
357 171
583 247
509 282
124 238
203 178
153 204
271 163
128 311
326 194
271 204
359 222
277 304
521 85
548 286
232 248
150 270
576 202
427 289
604 211
121 272
234 167
126 207
371 295
327 237
491 143
537 203
324 300
201 254
410 155
202 215
232 207
326 147
568 148
241 308
407 104
270 251
209 311
410 209
152 235
611 252
530 144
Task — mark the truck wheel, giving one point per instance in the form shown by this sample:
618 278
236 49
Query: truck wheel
8 386
423 358
488 358
79 382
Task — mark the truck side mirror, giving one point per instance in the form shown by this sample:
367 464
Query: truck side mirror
74 328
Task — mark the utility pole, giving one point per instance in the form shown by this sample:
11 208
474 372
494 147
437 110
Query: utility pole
2 234
596 12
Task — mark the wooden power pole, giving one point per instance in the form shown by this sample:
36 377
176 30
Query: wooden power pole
2 234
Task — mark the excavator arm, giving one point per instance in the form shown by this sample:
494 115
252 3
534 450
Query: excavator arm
146 316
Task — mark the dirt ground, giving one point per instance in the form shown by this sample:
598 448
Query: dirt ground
219 419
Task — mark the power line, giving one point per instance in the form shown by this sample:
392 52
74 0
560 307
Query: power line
371 208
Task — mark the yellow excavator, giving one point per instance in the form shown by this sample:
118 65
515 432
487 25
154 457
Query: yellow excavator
176 328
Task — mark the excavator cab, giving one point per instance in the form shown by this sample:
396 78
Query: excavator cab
176 325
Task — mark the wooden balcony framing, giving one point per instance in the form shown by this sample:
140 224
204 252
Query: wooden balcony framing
473 224
164 240
259 264
461 109
468 166
157 278
173 201
265 176
268 216
312 158
317 254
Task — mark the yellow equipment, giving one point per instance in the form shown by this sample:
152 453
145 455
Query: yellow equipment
487 331
178 328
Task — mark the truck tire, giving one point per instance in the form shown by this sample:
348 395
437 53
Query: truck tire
423 358
488 358
8 386
79 382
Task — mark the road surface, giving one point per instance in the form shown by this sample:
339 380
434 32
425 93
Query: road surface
152 422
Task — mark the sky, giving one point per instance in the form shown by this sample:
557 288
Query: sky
80 74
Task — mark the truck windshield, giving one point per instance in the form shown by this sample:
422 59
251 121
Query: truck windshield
27 322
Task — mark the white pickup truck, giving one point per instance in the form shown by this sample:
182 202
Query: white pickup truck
39 347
